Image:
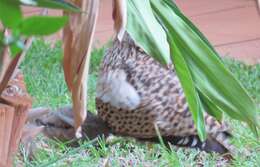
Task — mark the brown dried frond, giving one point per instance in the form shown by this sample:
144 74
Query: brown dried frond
120 17
77 37
9 68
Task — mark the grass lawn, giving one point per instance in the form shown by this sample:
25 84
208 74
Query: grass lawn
45 82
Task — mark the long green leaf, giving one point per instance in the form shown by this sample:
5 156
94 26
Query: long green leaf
211 77
42 25
210 107
194 28
10 13
146 31
188 86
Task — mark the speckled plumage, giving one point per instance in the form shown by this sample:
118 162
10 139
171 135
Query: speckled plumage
162 101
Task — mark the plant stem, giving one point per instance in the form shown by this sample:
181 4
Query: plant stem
2 57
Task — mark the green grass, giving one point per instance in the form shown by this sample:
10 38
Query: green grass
44 77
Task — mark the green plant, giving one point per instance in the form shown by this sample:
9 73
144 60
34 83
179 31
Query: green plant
15 34
17 28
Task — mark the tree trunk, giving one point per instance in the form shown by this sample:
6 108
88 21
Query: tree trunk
14 105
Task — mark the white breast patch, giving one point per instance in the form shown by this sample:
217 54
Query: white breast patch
113 88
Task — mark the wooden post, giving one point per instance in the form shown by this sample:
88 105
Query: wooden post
6 121
15 103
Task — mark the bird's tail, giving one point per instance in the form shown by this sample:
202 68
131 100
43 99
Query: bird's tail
218 142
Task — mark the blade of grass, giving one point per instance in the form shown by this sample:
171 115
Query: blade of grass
171 155
71 152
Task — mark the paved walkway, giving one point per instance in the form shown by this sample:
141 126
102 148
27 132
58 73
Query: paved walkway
233 26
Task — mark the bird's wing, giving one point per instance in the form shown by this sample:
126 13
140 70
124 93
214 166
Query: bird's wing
113 88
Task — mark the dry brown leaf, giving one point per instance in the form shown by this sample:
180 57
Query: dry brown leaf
120 17
9 71
10 66
78 36
5 60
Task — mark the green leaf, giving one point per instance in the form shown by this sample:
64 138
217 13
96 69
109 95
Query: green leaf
1 38
42 25
146 31
188 86
195 29
16 47
210 107
10 13
54 4
217 86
